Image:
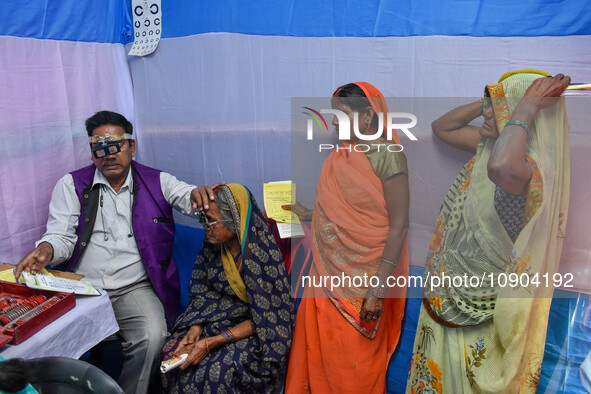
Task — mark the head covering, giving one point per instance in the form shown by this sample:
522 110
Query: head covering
265 298
509 91
375 97
350 227
238 196
531 71
350 224
470 239
239 199
377 101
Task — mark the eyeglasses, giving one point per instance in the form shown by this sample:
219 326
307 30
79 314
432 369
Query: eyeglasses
205 221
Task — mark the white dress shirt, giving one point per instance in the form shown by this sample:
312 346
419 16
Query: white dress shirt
111 259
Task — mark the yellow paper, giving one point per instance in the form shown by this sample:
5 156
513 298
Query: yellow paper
579 86
8 275
277 194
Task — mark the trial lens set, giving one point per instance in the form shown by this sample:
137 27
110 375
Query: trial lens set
15 310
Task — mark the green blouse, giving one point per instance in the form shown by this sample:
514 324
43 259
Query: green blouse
385 163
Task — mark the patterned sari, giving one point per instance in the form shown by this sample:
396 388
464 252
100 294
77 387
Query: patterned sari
334 349
489 337
255 364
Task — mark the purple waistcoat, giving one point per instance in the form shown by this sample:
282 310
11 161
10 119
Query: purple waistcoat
153 228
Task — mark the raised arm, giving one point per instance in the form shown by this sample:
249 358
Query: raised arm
453 129
507 166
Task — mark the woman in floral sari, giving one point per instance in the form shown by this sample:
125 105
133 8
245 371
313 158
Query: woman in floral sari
238 327
345 335
500 226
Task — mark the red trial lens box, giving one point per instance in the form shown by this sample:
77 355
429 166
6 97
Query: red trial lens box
30 326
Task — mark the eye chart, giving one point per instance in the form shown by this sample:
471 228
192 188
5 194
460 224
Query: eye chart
147 26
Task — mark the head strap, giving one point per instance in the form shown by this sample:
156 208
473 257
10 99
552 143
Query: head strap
103 139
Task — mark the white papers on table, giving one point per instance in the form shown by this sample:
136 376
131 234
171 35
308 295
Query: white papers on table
53 283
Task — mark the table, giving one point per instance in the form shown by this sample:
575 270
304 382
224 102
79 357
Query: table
73 334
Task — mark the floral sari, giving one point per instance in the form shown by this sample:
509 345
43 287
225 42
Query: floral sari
489 336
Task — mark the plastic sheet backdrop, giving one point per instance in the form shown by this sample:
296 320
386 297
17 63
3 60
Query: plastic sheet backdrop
221 105
213 101
47 90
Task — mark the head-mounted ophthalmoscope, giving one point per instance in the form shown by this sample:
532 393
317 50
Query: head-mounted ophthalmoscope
105 145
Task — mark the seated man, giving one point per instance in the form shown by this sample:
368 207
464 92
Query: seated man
112 222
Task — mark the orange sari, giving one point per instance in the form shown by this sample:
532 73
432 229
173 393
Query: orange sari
333 349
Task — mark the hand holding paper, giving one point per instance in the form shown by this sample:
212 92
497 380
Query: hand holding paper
277 195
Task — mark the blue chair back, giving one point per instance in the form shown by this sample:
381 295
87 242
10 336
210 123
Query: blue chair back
185 249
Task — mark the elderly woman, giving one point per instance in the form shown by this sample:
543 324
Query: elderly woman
344 336
501 226
237 329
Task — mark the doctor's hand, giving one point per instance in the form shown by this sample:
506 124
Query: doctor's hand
202 194
36 260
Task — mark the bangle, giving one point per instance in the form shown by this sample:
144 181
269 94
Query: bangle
232 334
389 262
227 336
378 292
518 123
206 344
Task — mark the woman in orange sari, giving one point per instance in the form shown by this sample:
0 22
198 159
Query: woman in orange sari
359 225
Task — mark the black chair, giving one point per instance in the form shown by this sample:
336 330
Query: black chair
68 376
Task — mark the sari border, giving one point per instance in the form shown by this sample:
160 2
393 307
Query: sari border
499 103
356 323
